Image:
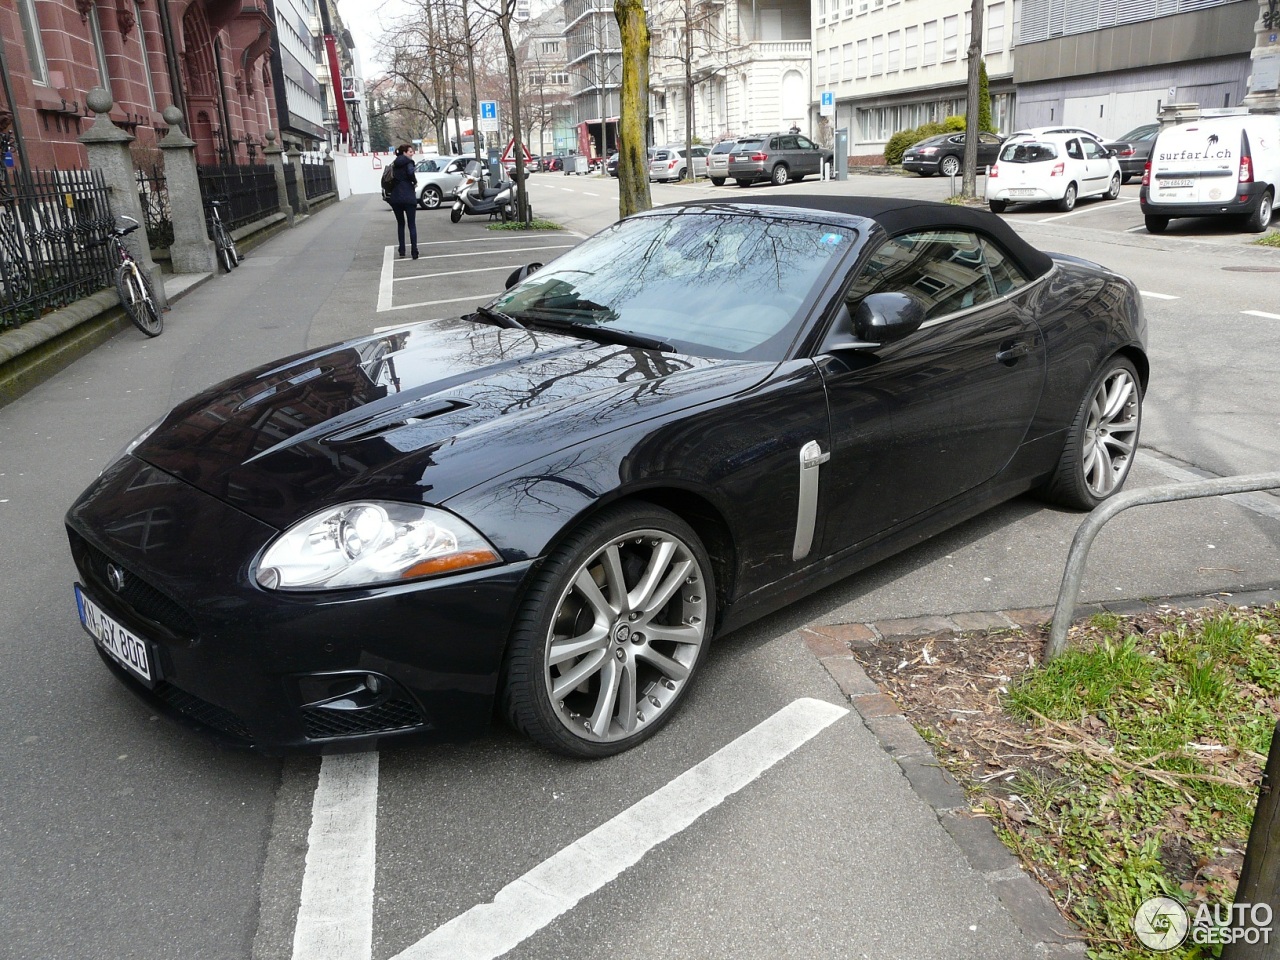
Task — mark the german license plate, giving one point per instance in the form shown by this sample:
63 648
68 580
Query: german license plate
126 649
1174 184
1021 192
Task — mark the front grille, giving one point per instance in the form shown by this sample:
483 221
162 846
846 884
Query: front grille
395 714
141 597
203 711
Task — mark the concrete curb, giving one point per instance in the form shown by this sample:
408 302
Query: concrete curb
1030 906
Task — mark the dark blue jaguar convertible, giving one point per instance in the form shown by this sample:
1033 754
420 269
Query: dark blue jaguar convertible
548 509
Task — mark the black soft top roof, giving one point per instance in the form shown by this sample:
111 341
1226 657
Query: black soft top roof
898 215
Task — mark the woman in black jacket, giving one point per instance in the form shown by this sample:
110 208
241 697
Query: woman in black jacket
404 196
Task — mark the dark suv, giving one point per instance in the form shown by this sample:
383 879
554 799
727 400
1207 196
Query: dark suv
776 157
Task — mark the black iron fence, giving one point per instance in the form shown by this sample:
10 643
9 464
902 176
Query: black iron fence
250 191
291 191
317 178
153 192
48 219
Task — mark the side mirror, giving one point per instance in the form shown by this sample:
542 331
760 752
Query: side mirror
521 272
886 317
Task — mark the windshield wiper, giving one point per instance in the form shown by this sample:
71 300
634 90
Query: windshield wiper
500 318
590 331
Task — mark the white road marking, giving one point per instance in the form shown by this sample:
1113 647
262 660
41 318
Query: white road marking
586 194
556 885
335 918
433 303
489 253
1259 313
454 273
387 279
1091 207
1257 502
1158 296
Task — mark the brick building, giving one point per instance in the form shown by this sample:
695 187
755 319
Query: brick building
209 57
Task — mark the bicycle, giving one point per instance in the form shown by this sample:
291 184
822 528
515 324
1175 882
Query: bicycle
228 256
136 295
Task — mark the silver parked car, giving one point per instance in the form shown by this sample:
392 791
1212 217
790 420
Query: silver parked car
670 163
441 184
718 162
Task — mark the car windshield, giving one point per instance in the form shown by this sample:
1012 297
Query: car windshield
712 283
1028 151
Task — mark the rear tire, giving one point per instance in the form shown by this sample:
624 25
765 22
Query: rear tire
138 299
949 166
1068 201
1126 177
998 206
224 258
1260 219
1113 190
1157 224
1102 441
780 175
718 181
744 183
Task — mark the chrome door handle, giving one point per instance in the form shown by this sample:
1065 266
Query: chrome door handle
1012 352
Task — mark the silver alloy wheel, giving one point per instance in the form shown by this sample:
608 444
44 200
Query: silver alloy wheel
1113 190
431 197
949 167
625 636
1111 433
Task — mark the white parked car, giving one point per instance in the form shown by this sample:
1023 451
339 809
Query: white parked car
669 162
1055 167
1033 132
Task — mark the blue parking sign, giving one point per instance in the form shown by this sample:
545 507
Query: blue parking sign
488 109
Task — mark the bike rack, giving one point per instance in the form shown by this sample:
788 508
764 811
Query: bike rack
1064 610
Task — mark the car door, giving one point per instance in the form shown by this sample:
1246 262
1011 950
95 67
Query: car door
988 148
700 161
809 154
923 420
1098 164
451 176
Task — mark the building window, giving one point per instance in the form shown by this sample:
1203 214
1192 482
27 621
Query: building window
99 51
862 58
995 28
950 25
877 55
35 48
848 61
146 60
821 67
550 46
895 49
929 54
848 8
910 41
833 57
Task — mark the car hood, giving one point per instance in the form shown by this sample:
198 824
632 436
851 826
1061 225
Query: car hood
419 413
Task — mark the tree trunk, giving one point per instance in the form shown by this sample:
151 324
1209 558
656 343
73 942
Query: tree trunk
633 112
517 138
969 187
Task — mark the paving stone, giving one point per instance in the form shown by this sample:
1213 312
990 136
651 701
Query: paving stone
877 705
982 848
821 645
848 632
994 620
1030 616
898 736
915 626
934 785
1034 911
850 676
1127 608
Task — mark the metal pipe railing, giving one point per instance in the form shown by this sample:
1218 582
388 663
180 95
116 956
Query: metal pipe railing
1064 610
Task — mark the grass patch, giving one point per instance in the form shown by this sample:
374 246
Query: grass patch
1125 769
1271 239
537 224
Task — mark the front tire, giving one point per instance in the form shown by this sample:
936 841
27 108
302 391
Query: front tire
431 197
225 258
1157 224
1068 201
718 181
744 183
611 633
138 299
781 175
455 214
949 166
1102 441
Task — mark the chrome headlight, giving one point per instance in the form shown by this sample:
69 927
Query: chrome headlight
371 542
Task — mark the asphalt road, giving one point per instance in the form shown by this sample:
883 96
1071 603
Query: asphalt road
124 836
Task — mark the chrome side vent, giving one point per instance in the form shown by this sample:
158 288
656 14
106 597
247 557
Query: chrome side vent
399 417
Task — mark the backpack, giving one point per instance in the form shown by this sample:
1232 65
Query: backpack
388 178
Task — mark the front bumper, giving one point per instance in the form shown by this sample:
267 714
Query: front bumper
276 670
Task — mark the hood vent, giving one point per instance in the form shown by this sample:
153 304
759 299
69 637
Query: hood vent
400 417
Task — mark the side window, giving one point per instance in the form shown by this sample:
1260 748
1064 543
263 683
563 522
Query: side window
1074 151
946 270
806 144
1092 150
985 137
785 143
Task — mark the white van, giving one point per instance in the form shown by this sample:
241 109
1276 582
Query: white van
1222 166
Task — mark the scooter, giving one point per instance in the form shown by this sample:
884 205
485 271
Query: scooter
475 197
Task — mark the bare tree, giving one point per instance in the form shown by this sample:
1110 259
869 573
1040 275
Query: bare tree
701 36
633 157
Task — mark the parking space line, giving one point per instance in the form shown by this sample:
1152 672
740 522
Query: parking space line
436 303
1260 503
1158 296
387 279
1259 313
454 273
556 885
490 253
335 917
1093 206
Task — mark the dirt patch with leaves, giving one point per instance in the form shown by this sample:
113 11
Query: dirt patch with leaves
1125 769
